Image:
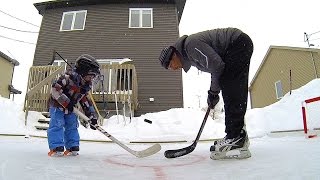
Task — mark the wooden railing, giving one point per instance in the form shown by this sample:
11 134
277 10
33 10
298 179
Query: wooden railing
120 85
39 86
119 82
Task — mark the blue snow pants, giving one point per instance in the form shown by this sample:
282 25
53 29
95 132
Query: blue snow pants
63 129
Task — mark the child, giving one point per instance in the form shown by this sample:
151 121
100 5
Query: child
71 88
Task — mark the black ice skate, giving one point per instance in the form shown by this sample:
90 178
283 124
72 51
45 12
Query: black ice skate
233 148
73 151
58 151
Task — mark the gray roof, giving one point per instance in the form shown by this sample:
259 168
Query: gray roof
13 61
43 6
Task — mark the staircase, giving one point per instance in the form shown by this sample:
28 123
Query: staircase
43 124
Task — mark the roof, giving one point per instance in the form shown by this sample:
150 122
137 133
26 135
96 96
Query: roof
13 61
13 90
42 6
279 47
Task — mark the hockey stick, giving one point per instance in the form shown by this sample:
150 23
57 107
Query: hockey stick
140 154
184 151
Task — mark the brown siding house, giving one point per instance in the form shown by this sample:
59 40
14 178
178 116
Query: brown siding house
283 69
109 31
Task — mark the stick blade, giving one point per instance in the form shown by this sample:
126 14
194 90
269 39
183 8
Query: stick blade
148 152
140 154
178 152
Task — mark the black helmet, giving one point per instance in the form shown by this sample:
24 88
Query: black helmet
166 55
86 64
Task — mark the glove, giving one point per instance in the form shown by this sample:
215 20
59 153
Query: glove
213 99
84 123
83 90
93 122
70 106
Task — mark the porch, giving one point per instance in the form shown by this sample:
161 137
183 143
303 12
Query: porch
114 92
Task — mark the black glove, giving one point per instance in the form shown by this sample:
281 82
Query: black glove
84 123
213 99
70 106
93 122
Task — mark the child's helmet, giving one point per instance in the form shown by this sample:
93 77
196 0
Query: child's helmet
87 65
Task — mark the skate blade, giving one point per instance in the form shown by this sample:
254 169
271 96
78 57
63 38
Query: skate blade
55 154
234 154
71 153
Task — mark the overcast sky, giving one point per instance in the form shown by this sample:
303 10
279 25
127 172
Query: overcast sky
271 22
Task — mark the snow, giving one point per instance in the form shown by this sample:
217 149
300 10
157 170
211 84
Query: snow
274 155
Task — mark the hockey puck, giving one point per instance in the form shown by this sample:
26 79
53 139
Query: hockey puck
148 121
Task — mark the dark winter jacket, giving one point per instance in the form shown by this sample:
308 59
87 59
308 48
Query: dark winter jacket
69 89
206 50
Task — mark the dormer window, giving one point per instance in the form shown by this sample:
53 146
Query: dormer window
140 18
73 20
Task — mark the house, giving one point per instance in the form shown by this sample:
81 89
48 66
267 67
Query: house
113 30
7 65
283 69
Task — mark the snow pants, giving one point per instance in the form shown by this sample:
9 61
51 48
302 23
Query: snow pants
234 83
63 129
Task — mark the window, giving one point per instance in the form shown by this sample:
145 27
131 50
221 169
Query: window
58 63
279 92
113 61
140 18
73 20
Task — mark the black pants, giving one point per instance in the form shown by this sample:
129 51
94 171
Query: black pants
234 83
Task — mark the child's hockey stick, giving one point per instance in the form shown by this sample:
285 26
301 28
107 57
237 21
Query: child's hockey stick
140 154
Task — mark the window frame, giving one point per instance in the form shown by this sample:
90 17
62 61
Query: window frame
60 62
73 20
113 61
140 17
278 86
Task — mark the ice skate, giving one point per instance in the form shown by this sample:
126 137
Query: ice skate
73 151
240 153
234 148
56 152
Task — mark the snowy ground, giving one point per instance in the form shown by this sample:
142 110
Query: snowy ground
274 155
278 156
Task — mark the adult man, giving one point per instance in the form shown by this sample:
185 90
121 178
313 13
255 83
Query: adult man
224 53
69 89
